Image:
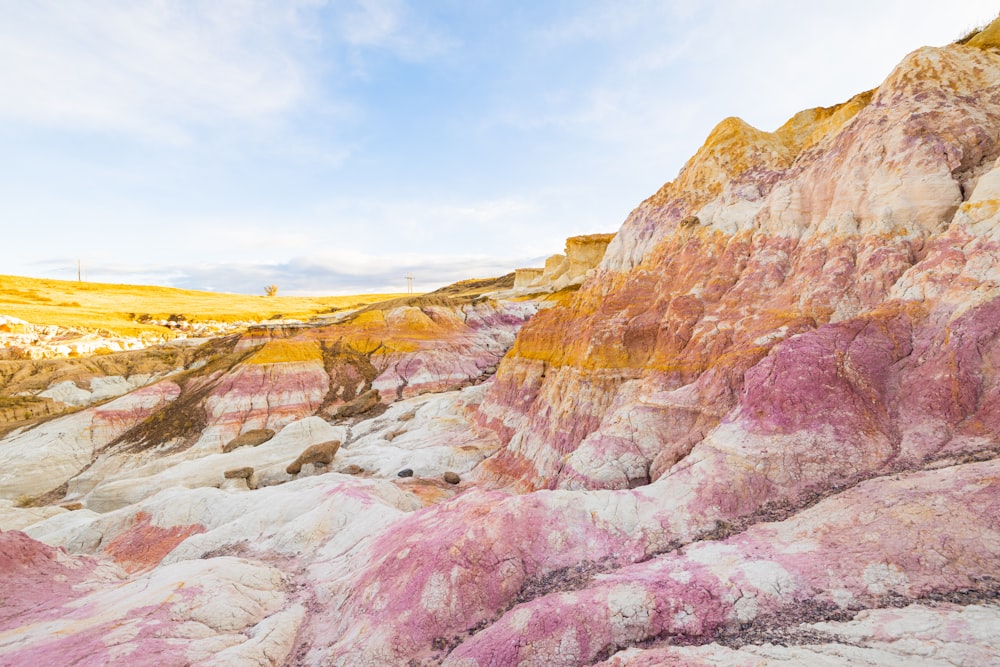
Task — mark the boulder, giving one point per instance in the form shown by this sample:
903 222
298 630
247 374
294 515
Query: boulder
240 479
253 438
363 403
320 454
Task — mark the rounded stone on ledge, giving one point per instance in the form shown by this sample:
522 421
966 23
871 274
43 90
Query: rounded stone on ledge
352 470
452 478
252 438
405 472
238 473
320 456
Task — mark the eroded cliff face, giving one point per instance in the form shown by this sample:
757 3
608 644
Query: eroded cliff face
764 431
112 454
761 238
583 255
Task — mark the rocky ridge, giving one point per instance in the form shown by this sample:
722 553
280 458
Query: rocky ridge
20 340
583 255
763 431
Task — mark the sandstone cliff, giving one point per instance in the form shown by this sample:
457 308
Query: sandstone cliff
762 237
583 254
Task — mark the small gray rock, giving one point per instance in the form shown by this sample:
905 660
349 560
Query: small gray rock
405 472
452 478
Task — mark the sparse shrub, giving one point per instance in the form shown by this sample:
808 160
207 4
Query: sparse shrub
24 500
969 33
271 290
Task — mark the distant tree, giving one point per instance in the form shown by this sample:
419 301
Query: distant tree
271 290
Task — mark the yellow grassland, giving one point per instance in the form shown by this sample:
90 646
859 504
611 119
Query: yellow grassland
118 307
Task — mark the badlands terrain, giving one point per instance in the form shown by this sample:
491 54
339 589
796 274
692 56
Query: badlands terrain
760 425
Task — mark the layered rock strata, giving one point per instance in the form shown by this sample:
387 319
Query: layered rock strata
761 238
763 431
583 255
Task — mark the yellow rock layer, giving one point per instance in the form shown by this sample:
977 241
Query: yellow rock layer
369 318
735 147
806 128
284 351
988 37
588 239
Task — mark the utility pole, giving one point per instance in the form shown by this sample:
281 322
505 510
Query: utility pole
78 271
409 283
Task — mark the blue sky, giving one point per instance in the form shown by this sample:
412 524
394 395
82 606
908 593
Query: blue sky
333 147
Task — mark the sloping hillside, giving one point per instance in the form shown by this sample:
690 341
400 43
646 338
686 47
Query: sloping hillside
127 309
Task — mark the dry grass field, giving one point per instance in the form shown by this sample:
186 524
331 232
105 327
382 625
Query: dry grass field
124 309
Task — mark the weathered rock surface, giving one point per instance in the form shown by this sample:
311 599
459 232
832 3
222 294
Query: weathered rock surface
13 517
824 221
764 431
358 406
186 613
583 255
318 455
268 460
251 438
939 635
814 564
40 459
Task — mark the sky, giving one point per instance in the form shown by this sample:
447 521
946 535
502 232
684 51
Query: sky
333 147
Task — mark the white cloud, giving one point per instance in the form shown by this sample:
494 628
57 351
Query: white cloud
362 243
384 26
368 125
669 72
162 69
148 68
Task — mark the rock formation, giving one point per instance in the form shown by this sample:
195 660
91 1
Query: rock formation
320 454
251 438
527 277
764 430
583 254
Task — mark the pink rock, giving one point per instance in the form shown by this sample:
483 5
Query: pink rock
862 548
